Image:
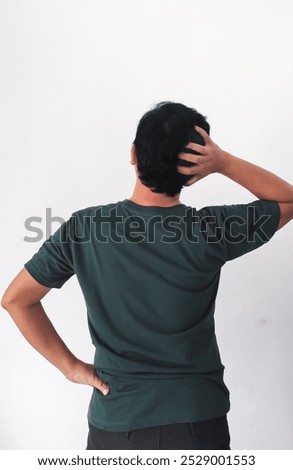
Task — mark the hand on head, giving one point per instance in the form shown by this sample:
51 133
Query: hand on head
208 161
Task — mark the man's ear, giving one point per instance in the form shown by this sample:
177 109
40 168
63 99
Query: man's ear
133 160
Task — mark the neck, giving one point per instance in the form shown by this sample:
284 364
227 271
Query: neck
145 197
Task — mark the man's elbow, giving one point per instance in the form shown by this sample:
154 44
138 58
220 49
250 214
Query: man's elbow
6 302
9 299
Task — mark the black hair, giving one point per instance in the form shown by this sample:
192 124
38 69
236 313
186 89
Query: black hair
161 135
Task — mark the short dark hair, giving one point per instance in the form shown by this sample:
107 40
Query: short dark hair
161 134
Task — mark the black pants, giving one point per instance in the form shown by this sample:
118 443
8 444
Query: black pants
212 434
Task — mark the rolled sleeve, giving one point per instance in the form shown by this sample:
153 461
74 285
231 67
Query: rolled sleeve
52 265
241 228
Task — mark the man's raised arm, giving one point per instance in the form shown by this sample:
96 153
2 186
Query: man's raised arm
260 182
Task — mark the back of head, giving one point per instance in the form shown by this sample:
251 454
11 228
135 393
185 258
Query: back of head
161 135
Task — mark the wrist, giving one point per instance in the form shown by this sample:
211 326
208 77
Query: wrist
68 365
223 160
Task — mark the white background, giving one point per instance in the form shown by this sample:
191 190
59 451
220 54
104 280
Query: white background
75 77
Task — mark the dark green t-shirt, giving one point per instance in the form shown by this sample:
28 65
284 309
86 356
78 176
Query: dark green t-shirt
149 276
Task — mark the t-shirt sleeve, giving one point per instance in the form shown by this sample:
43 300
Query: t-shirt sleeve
52 265
234 230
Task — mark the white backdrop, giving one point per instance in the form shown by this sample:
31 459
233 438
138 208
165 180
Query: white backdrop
75 77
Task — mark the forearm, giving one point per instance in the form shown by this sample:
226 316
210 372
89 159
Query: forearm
260 182
38 330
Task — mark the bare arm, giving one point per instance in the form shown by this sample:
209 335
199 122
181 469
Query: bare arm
22 299
260 182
